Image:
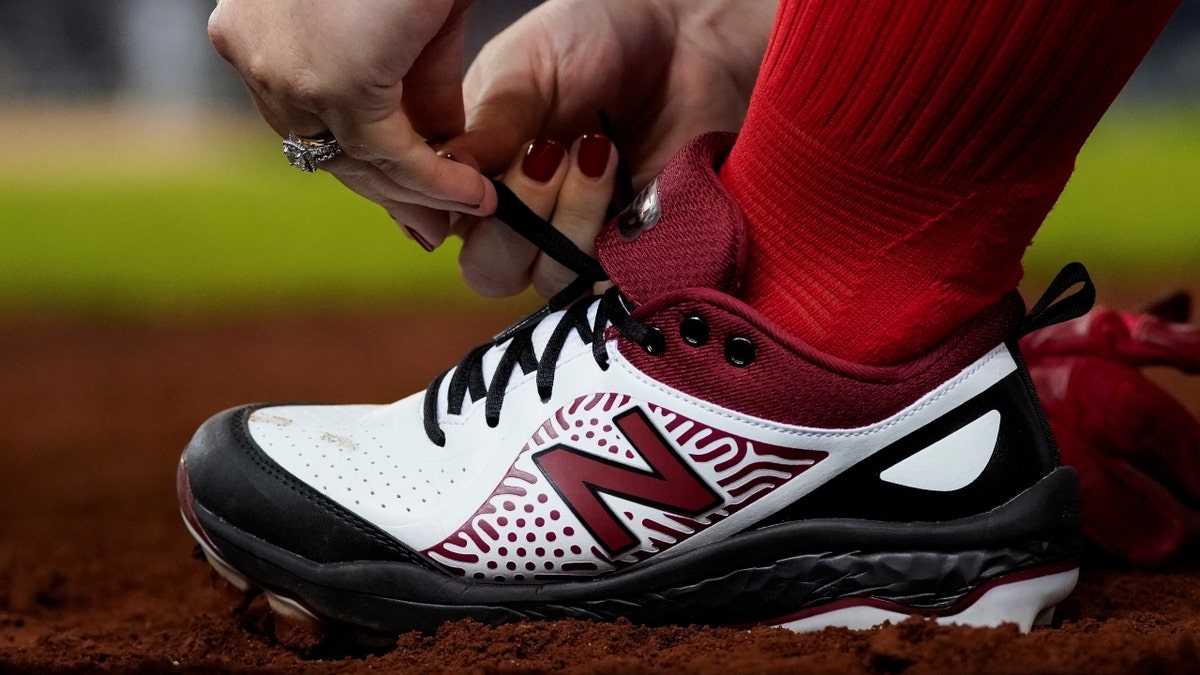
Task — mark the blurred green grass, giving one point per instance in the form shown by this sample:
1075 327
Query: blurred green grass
139 216
195 222
1132 208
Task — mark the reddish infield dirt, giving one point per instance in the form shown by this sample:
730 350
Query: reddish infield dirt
98 574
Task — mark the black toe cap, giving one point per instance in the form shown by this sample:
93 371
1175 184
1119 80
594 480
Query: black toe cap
233 481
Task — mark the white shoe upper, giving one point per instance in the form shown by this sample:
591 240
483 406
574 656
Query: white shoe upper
505 503
663 452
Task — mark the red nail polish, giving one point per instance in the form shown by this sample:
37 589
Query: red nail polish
593 155
418 238
542 159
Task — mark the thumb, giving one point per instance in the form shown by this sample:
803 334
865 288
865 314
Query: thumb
433 99
506 107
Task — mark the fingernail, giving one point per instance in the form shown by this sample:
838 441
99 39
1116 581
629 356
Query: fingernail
542 159
418 238
593 155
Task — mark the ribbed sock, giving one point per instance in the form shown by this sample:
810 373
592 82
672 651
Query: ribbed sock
899 155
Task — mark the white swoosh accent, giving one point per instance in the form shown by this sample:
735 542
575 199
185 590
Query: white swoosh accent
951 463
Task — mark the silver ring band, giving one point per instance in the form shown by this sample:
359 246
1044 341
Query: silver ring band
307 154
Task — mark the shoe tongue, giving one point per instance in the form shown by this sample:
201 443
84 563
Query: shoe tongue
683 231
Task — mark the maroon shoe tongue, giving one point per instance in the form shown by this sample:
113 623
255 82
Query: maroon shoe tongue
683 231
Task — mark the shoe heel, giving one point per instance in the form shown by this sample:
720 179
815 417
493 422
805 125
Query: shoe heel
1045 618
1027 602
1026 599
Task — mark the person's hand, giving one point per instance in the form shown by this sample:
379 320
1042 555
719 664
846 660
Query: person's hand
383 76
569 187
663 70
1137 450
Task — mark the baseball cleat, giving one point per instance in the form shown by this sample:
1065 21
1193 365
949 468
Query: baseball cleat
660 452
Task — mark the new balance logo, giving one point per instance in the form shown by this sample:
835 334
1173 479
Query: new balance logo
670 485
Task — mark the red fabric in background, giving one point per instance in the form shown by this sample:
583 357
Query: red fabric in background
899 155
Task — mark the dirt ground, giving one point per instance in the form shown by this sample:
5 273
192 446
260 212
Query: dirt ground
98 574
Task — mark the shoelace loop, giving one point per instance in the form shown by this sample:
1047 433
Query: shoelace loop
468 377
611 309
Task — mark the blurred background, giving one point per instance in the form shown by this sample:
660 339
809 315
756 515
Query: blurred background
135 178
159 261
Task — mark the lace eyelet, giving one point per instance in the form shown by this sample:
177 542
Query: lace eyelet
739 351
656 344
693 330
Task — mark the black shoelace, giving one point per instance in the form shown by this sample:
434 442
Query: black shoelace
611 309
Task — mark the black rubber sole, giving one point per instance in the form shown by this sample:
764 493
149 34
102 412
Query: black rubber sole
754 577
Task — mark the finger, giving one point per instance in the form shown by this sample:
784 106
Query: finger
494 133
507 100
420 216
415 220
461 225
391 145
1124 511
495 260
579 211
433 97
285 122
428 227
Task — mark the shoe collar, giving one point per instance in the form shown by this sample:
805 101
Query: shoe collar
683 231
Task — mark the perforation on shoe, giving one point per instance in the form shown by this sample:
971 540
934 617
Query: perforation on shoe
347 453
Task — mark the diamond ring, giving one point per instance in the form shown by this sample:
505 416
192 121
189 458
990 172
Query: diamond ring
307 154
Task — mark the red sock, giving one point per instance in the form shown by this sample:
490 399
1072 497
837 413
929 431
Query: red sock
899 155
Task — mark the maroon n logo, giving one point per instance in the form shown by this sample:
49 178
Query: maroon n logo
670 484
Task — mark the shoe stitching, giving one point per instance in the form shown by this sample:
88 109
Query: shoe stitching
945 388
